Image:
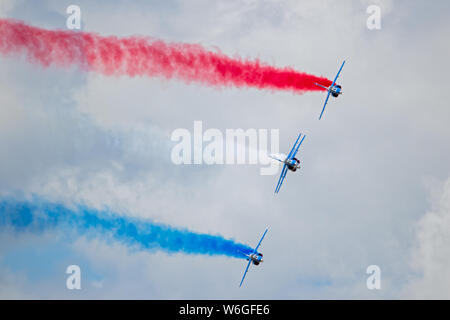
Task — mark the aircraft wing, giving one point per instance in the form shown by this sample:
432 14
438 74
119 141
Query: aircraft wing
246 269
281 179
324 105
338 73
296 149
293 148
259 243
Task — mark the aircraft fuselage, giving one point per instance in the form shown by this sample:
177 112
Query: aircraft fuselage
293 164
335 90
256 258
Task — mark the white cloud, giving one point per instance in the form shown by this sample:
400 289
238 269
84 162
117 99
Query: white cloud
431 256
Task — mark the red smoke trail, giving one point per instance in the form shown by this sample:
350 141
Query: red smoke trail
138 56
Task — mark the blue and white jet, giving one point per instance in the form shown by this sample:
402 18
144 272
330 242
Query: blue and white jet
335 90
254 257
290 161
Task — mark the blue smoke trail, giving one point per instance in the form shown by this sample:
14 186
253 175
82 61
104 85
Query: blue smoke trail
40 215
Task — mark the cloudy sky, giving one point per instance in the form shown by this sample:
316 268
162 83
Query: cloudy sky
374 188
